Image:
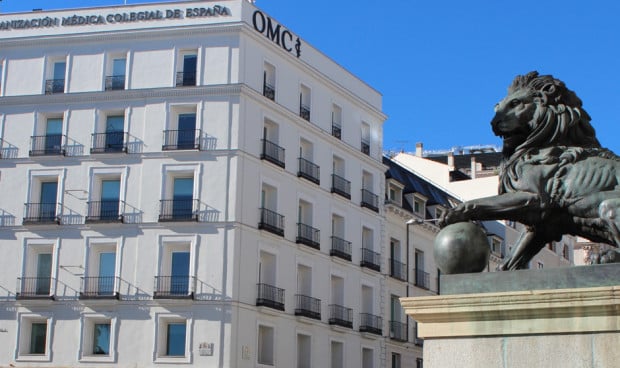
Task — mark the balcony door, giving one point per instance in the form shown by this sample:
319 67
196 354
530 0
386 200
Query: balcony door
182 197
44 272
179 283
114 137
187 131
110 193
47 201
53 136
189 70
107 264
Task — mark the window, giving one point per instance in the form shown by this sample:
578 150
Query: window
98 338
396 360
337 354
365 142
565 252
368 358
270 150
340 185
268 294
110 135
540 265
43 205
33 337
496 245
398 269
49 140
115 73
270 219
340 247
173 338
307 168
422 278
180 200
55 82
304 351
182 133
304 102
187 68
336 121
100 279
395 194
419 363
265 348
306 234
369 199
370 258
398 329
174 279
269 81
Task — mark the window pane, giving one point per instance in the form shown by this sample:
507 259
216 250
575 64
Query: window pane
44 273
59 70
175 339
101 340
179 283
107 263
118 67
187 131
37 338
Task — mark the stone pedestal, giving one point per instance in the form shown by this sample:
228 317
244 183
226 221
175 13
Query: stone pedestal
533 318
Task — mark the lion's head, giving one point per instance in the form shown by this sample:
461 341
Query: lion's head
540 111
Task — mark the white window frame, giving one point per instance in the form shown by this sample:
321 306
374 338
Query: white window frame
87 325
274 345
24 330
32 247
159 348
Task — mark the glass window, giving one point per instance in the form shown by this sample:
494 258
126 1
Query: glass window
44 272
59 70
38 334
101 339
179 283
175 339
187 131
110 193
47 200
119 67
53 135
182 195
107 265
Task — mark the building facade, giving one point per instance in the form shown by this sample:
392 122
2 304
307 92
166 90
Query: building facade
190 183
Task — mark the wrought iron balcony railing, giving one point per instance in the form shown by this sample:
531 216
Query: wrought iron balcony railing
308 306
398 331
186 79
337 130
105 211
422 279
341 186
370 200
398 270
272 153
371 259
269 91
174 287
309 170
365 146
114 82
340 316
178 210
40 213
340 248
371 323
308 235
47 145
271 221
270 296
304 111
109 142
54 86
181 140
34 288
99 287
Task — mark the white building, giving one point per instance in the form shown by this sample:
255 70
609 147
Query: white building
188 183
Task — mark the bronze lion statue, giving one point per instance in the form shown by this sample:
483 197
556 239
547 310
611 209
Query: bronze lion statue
555 177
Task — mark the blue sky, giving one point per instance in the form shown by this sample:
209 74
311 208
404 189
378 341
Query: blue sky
442 65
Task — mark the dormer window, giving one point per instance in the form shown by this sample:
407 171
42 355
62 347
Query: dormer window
394 192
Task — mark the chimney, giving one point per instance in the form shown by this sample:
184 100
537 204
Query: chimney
451 161
473 167
419 149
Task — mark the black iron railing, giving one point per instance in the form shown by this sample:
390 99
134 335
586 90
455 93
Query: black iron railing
270 296
340 248
336 130
109 142
308 306
33 287
181 139
173 287
54 86
43 213
186 79
105 211
370 200
272 153
271 221
340 315
178 210
304 111
365 146
308 235
422 279
47 145
398 270
371 323
102 287
398 331
114 82
309 170
371 259
341 186
269 91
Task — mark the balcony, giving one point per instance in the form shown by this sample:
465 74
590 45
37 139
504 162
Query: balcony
270 296
308 235
114 82
110 142
336 130
365 146
185 79
271 221
371 259
340 316
341 186
309 171
34 288
105 211
398 270
178 210
173 287
422 279
103 287
54 86
371 323
40 213
340 248
398 331
304 112
370 200
175 140
47 145
269 91
308 306
272 153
